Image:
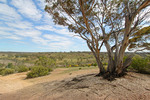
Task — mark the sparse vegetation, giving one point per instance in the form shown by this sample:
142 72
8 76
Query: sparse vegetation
7 71
10 65
141 64
52 60
45 61
2 65
75 60
37 71
1 69
22 68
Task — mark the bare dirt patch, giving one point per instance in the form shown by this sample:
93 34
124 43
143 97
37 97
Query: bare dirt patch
133 86
13 82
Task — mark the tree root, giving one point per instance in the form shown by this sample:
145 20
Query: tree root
111 76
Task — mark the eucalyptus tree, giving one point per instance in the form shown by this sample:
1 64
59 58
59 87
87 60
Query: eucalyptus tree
109 23
140 40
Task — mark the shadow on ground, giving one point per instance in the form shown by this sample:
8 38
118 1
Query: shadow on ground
133 86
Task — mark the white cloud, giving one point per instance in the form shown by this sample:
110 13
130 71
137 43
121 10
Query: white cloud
145 25
45 27
61 31
55 29
145 16
47 19
14 37
40 40
20 42
27 8
59 26
2 28
60 45
55 38
4 33
1 23
41 4
20 24
53 42
14 26
9 35
64 32
8 13
28 33
58 41
4 1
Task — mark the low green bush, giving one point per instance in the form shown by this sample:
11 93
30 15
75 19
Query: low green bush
45 61
50 69
38 71
10 65
94 64
140 64
1 69
22 69
7 71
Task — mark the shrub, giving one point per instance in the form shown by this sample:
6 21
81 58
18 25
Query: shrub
38 71
1 69
7 71
45 61
50 69
94 64
22 69
140 64
10 65
89 65
1 65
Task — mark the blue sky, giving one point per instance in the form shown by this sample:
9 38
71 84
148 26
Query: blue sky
25 27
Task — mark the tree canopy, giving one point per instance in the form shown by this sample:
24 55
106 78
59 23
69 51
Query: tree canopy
140 40
114 24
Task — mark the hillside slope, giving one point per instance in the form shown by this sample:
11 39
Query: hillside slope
133 86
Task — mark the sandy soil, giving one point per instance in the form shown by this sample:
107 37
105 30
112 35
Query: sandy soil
18 81
81 85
